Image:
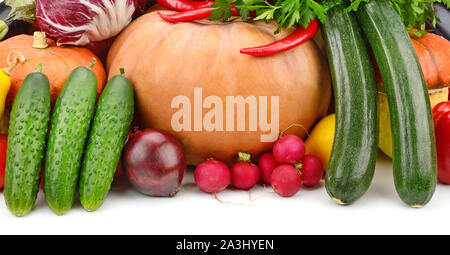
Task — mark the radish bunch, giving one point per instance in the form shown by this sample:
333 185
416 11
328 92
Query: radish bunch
294 167
213 176
286 168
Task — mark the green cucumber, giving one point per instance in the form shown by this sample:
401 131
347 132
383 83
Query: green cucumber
414 150
68 133
352 161
109 130
27 134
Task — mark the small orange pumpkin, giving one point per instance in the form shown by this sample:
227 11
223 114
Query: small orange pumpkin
57 61
433 52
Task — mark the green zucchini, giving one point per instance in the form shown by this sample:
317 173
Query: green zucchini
70 123
27 134
352 161
109 130
414 150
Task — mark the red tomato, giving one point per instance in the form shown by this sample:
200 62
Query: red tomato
3 145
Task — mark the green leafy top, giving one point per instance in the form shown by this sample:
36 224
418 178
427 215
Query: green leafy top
300 12
286 12
21 10
412 12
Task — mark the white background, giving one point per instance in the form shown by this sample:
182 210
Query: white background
310 211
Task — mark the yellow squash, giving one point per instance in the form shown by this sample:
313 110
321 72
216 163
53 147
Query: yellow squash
385 135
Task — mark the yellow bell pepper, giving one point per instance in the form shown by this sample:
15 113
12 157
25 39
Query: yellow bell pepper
5 84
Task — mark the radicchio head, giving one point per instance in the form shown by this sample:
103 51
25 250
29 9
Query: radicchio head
81 22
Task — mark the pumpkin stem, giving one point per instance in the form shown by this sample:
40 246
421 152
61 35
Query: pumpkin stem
39 67
122 71
39 40
17 58
93 63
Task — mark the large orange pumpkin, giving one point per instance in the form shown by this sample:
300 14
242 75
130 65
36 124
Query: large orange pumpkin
165 60
57 62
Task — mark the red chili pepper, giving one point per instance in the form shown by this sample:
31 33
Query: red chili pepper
184 5
299 36
441 116
193 15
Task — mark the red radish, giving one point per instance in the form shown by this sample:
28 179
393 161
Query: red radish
289 149
154 162
312 170
266 164
286 180
244 174
212 176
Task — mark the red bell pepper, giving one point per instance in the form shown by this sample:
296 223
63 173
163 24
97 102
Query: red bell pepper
3 145
441 117
439 110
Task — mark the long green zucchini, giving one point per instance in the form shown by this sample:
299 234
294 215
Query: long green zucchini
414 150
352 162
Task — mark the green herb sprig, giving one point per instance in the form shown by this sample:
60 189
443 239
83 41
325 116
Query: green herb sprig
413 13
288 13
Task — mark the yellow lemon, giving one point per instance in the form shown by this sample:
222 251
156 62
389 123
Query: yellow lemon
321 138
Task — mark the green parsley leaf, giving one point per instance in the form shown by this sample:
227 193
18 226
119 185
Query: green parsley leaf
289 13
413 13
222 10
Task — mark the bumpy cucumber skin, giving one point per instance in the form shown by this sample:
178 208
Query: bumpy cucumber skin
414 150
70 123
27 134
109 130
353 158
